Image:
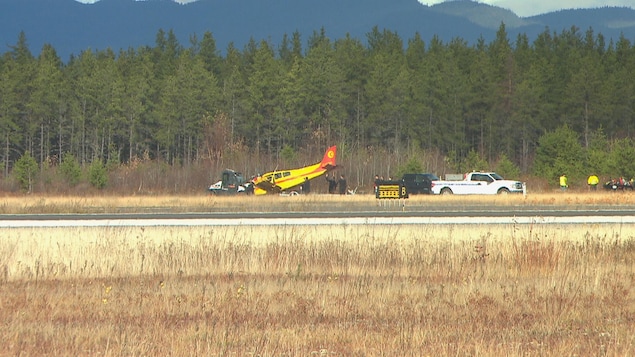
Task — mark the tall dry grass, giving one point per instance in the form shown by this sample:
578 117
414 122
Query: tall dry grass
321 202
319 291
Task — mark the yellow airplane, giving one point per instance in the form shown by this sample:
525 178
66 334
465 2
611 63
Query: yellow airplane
281 180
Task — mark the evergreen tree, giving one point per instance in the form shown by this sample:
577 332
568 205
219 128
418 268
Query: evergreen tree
598 154
620 159
478 106
188 95
321 94
18 83
25 171
504 84
46 100
97 174
506 168
136 72
210 55
528 113
383 92
583 100
474 162
291 109
350 58
263 90
560 152
411 166
70 169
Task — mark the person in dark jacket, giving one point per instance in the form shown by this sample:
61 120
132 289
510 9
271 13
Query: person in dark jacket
306 186
332 183
342 184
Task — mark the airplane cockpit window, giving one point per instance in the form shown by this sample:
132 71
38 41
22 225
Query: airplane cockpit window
278 175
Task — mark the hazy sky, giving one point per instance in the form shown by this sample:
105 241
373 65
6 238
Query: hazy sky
526 8
522 8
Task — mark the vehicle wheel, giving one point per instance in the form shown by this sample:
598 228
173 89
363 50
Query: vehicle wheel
446 191
503 191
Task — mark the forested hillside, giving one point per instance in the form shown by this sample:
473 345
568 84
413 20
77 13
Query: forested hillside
562 103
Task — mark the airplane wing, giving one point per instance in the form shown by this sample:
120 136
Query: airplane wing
268 187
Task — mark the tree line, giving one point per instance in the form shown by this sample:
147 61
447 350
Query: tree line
564 102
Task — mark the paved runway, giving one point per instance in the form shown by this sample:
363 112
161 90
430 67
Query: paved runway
463 216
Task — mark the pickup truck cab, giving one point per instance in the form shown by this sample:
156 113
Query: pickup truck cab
419 183
478 183
231 183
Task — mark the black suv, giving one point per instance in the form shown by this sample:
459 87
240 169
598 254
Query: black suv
419 183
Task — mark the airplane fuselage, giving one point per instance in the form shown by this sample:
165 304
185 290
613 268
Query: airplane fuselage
281 180
286 179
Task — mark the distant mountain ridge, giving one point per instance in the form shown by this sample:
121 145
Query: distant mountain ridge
483 15
71 27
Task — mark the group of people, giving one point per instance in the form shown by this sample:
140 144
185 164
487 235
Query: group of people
593 181
333 184
619 184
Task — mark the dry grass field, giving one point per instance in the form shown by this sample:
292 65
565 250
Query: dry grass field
20 204
455 290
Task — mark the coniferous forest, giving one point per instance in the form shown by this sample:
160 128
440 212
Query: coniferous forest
169 118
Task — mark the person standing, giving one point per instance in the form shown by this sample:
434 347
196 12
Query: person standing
332 183
563 183
342 184
593 181
306 186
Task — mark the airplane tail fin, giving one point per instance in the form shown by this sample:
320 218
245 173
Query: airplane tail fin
328 162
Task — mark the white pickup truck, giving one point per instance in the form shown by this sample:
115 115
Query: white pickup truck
478 183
